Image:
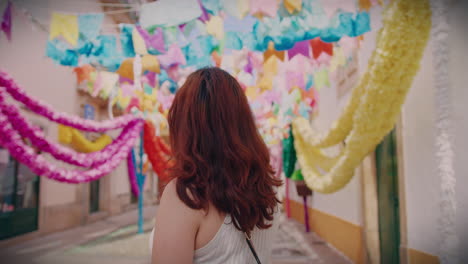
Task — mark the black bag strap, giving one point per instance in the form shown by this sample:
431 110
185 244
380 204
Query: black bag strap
247 239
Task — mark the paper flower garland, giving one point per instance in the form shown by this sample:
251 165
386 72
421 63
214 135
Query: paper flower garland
79 142
391 69
12 141
37 138
46 111
158 152
14 129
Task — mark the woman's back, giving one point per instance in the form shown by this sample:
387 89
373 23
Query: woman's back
224 185
217 240
229 245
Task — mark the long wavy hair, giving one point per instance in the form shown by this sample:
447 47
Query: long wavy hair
220 158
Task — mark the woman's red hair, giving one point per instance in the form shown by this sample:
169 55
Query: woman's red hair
220 158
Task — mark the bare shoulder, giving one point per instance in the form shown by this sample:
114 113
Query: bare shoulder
170 191
172 206
175 228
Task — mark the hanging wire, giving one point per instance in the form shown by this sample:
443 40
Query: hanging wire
92 3
44 26
111 12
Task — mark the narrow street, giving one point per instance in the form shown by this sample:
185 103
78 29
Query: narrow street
115 240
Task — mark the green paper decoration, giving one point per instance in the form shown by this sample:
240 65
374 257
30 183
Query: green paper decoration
289 155
297 176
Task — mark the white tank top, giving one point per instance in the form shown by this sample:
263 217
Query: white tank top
229 246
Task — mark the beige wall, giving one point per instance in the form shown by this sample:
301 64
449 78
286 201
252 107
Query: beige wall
24 59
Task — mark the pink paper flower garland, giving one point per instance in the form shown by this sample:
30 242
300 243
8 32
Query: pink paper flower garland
68 120
37 138
11 140
14 128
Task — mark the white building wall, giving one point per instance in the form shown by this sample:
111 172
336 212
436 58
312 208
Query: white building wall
422 184
420 175
458 74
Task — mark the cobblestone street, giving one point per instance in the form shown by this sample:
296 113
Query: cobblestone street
116 241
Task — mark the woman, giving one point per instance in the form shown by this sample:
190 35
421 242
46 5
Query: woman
223 188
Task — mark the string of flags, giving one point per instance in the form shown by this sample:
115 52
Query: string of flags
282 52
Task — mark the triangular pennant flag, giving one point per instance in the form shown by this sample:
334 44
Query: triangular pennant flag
64 25
318 46
264 7
215 27
321 79
292 5
138 42
271 51
365 5
6 21
301 47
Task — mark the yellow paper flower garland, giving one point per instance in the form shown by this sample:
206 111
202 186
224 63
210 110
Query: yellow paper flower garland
372 111
73 137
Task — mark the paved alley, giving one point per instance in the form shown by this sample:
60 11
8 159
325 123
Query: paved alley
115 240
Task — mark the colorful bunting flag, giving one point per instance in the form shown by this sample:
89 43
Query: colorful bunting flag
365 5
300 48
338 59
237 8
215 27
212 6
204 17
83 72
293 5
321 79
271 51
6 21
64 25
138 42
264 7
155 40
90 25
318 46
174 56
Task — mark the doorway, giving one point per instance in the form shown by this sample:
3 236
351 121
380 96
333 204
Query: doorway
94 196
386 163
89 112
19 197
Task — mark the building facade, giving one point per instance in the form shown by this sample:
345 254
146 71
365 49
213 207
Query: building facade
391 212
32 206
